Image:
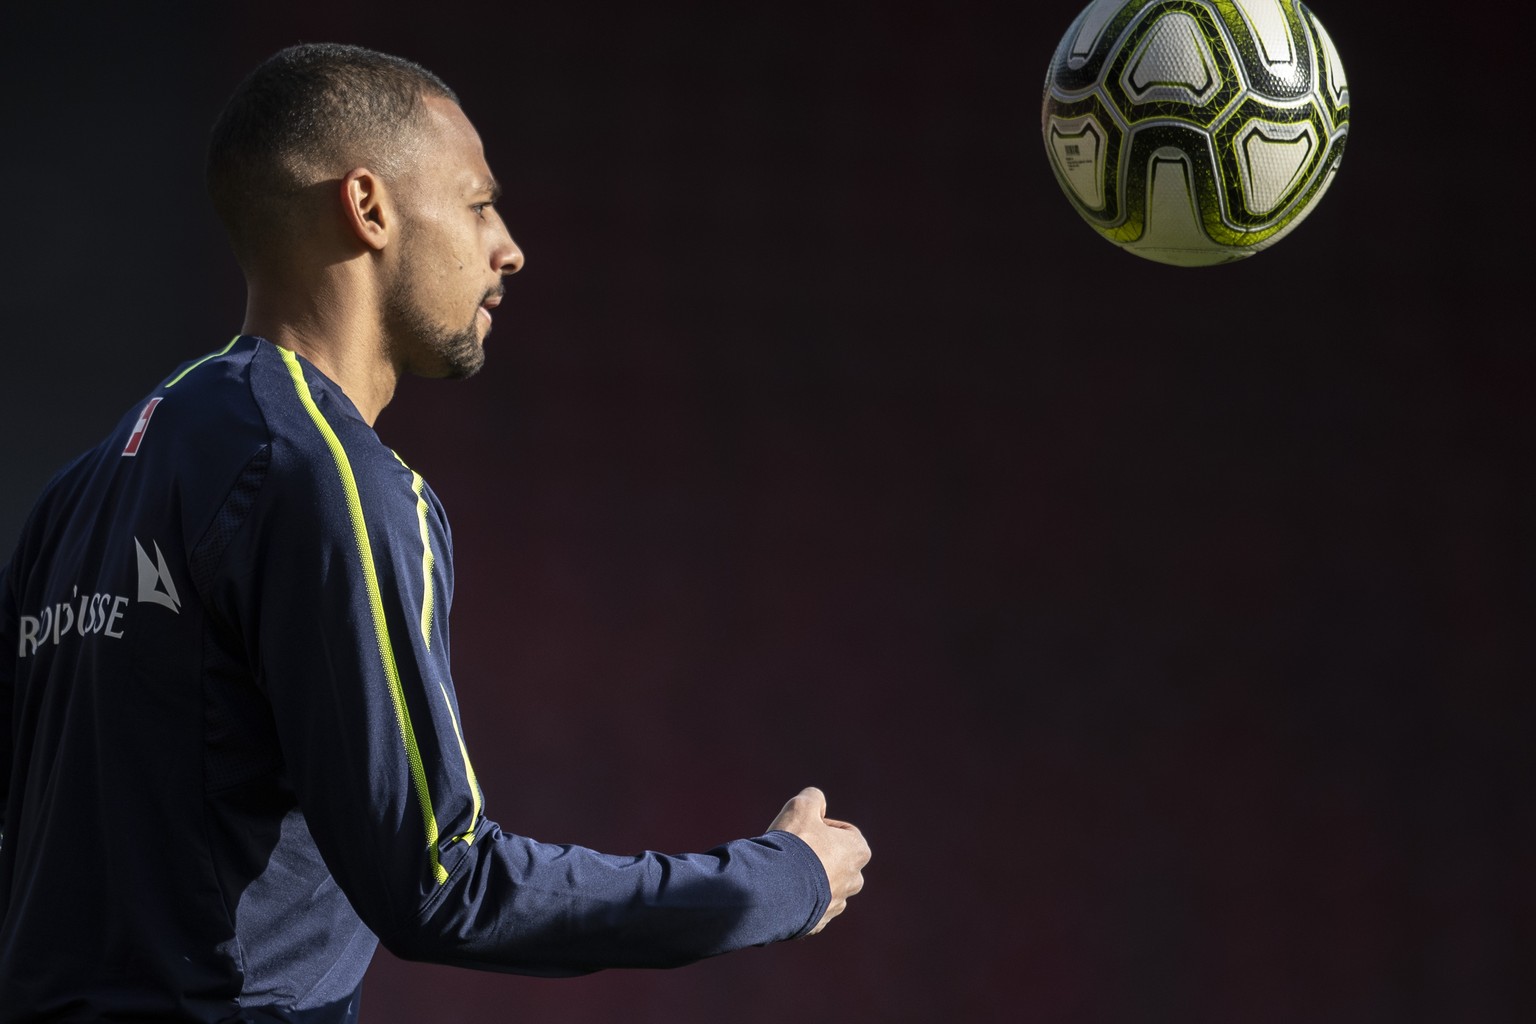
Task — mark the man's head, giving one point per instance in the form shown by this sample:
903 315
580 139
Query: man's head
306 115
359 153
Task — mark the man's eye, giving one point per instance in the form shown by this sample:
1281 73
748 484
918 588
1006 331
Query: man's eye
480 208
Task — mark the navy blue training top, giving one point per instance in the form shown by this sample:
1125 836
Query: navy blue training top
230 748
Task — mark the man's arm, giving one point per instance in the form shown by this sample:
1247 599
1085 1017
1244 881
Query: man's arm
348 625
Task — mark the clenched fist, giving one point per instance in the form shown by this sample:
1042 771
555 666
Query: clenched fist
840 846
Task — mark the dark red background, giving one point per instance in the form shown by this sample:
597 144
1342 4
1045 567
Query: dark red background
1169 632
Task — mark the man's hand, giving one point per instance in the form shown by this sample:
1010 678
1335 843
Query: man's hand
840 846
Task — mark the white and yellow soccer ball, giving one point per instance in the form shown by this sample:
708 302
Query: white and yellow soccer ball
1195 132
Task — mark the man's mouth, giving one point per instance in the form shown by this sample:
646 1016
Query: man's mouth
490 302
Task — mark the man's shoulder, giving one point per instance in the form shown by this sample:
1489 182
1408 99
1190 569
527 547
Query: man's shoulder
321 465
319 440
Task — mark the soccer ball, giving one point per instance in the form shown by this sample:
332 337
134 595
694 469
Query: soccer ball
1195 132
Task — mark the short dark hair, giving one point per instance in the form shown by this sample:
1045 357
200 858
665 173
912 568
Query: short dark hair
301 114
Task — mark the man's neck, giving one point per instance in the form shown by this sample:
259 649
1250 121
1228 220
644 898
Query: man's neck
349 352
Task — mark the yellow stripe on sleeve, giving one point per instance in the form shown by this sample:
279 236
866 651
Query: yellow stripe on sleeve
376 607
469 771
427 607
211 355
417 484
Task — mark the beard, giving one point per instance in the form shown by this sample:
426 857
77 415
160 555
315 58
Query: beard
451 353
432 349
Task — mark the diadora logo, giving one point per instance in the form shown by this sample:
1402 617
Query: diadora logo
99 614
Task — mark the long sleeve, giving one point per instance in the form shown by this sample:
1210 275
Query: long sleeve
340 585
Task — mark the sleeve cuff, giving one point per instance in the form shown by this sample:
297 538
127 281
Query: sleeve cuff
819 887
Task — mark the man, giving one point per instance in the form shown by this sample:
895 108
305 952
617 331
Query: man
230 749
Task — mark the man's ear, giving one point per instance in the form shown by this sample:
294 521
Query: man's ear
366 208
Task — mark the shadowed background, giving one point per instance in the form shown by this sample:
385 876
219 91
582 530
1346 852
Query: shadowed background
1169 632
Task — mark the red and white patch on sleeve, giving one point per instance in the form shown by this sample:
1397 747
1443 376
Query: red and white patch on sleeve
137 437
